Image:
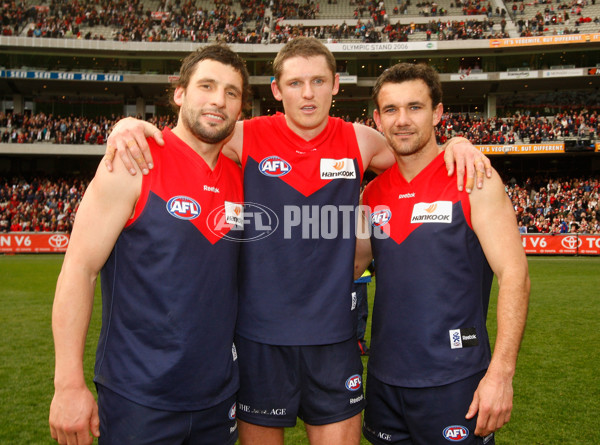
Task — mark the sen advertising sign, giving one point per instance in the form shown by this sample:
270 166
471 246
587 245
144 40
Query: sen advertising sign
26 242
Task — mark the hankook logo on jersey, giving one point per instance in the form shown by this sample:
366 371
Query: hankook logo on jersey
274 166
234 214
242 222
381 217
58 240
432 212
338 169
183 207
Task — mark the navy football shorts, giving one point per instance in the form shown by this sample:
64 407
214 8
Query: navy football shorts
421 416
125 422
319 384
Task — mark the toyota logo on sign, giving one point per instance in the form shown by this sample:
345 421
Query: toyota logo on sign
571 242
58 241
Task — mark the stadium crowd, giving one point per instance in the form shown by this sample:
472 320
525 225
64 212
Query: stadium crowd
19 128
542 205
556 205
517 128
555 19
256 21
39 204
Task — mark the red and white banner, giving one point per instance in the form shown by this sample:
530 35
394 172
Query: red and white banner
28 242
567 244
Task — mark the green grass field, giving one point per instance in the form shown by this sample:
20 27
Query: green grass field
557 385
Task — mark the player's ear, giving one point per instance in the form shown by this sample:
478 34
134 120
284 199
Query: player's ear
377 119
275 90
178 96
336 84
437 113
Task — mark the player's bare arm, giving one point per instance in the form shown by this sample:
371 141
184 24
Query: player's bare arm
378 157
495 224
128 139
105 208
363 254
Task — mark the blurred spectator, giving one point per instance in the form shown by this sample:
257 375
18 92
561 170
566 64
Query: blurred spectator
542 205
27 129
563 205
39 204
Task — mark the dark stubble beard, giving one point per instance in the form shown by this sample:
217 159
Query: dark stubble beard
205 133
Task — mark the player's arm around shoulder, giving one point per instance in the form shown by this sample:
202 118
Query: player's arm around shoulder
104 210
374 150
234 145
363 254
494 223
128 137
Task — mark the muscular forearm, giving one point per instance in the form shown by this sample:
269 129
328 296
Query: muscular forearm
71 315
513 300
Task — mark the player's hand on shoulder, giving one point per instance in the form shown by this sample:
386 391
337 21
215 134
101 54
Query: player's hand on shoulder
461 154
128 138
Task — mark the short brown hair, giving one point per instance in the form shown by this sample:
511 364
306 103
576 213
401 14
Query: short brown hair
219 53
302 47
403 72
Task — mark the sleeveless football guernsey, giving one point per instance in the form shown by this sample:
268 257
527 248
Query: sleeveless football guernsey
432 280
296 272
169 287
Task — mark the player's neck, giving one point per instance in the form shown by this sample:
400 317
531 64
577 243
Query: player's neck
306 133
411 165
208 152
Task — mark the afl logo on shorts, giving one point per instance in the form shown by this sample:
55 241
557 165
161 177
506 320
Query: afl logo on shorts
456 433
183 207
354 382
381 217
274 166
232 412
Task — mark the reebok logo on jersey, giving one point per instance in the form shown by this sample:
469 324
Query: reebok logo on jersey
338 169
274 166
406 195
234 214
183 207
434 212
463 338
208 188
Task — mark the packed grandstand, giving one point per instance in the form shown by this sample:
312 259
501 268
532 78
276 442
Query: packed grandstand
520 81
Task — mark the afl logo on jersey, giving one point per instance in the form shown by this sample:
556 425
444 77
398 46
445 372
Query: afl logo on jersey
183 207
274 166
353 383
456 433
381 217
